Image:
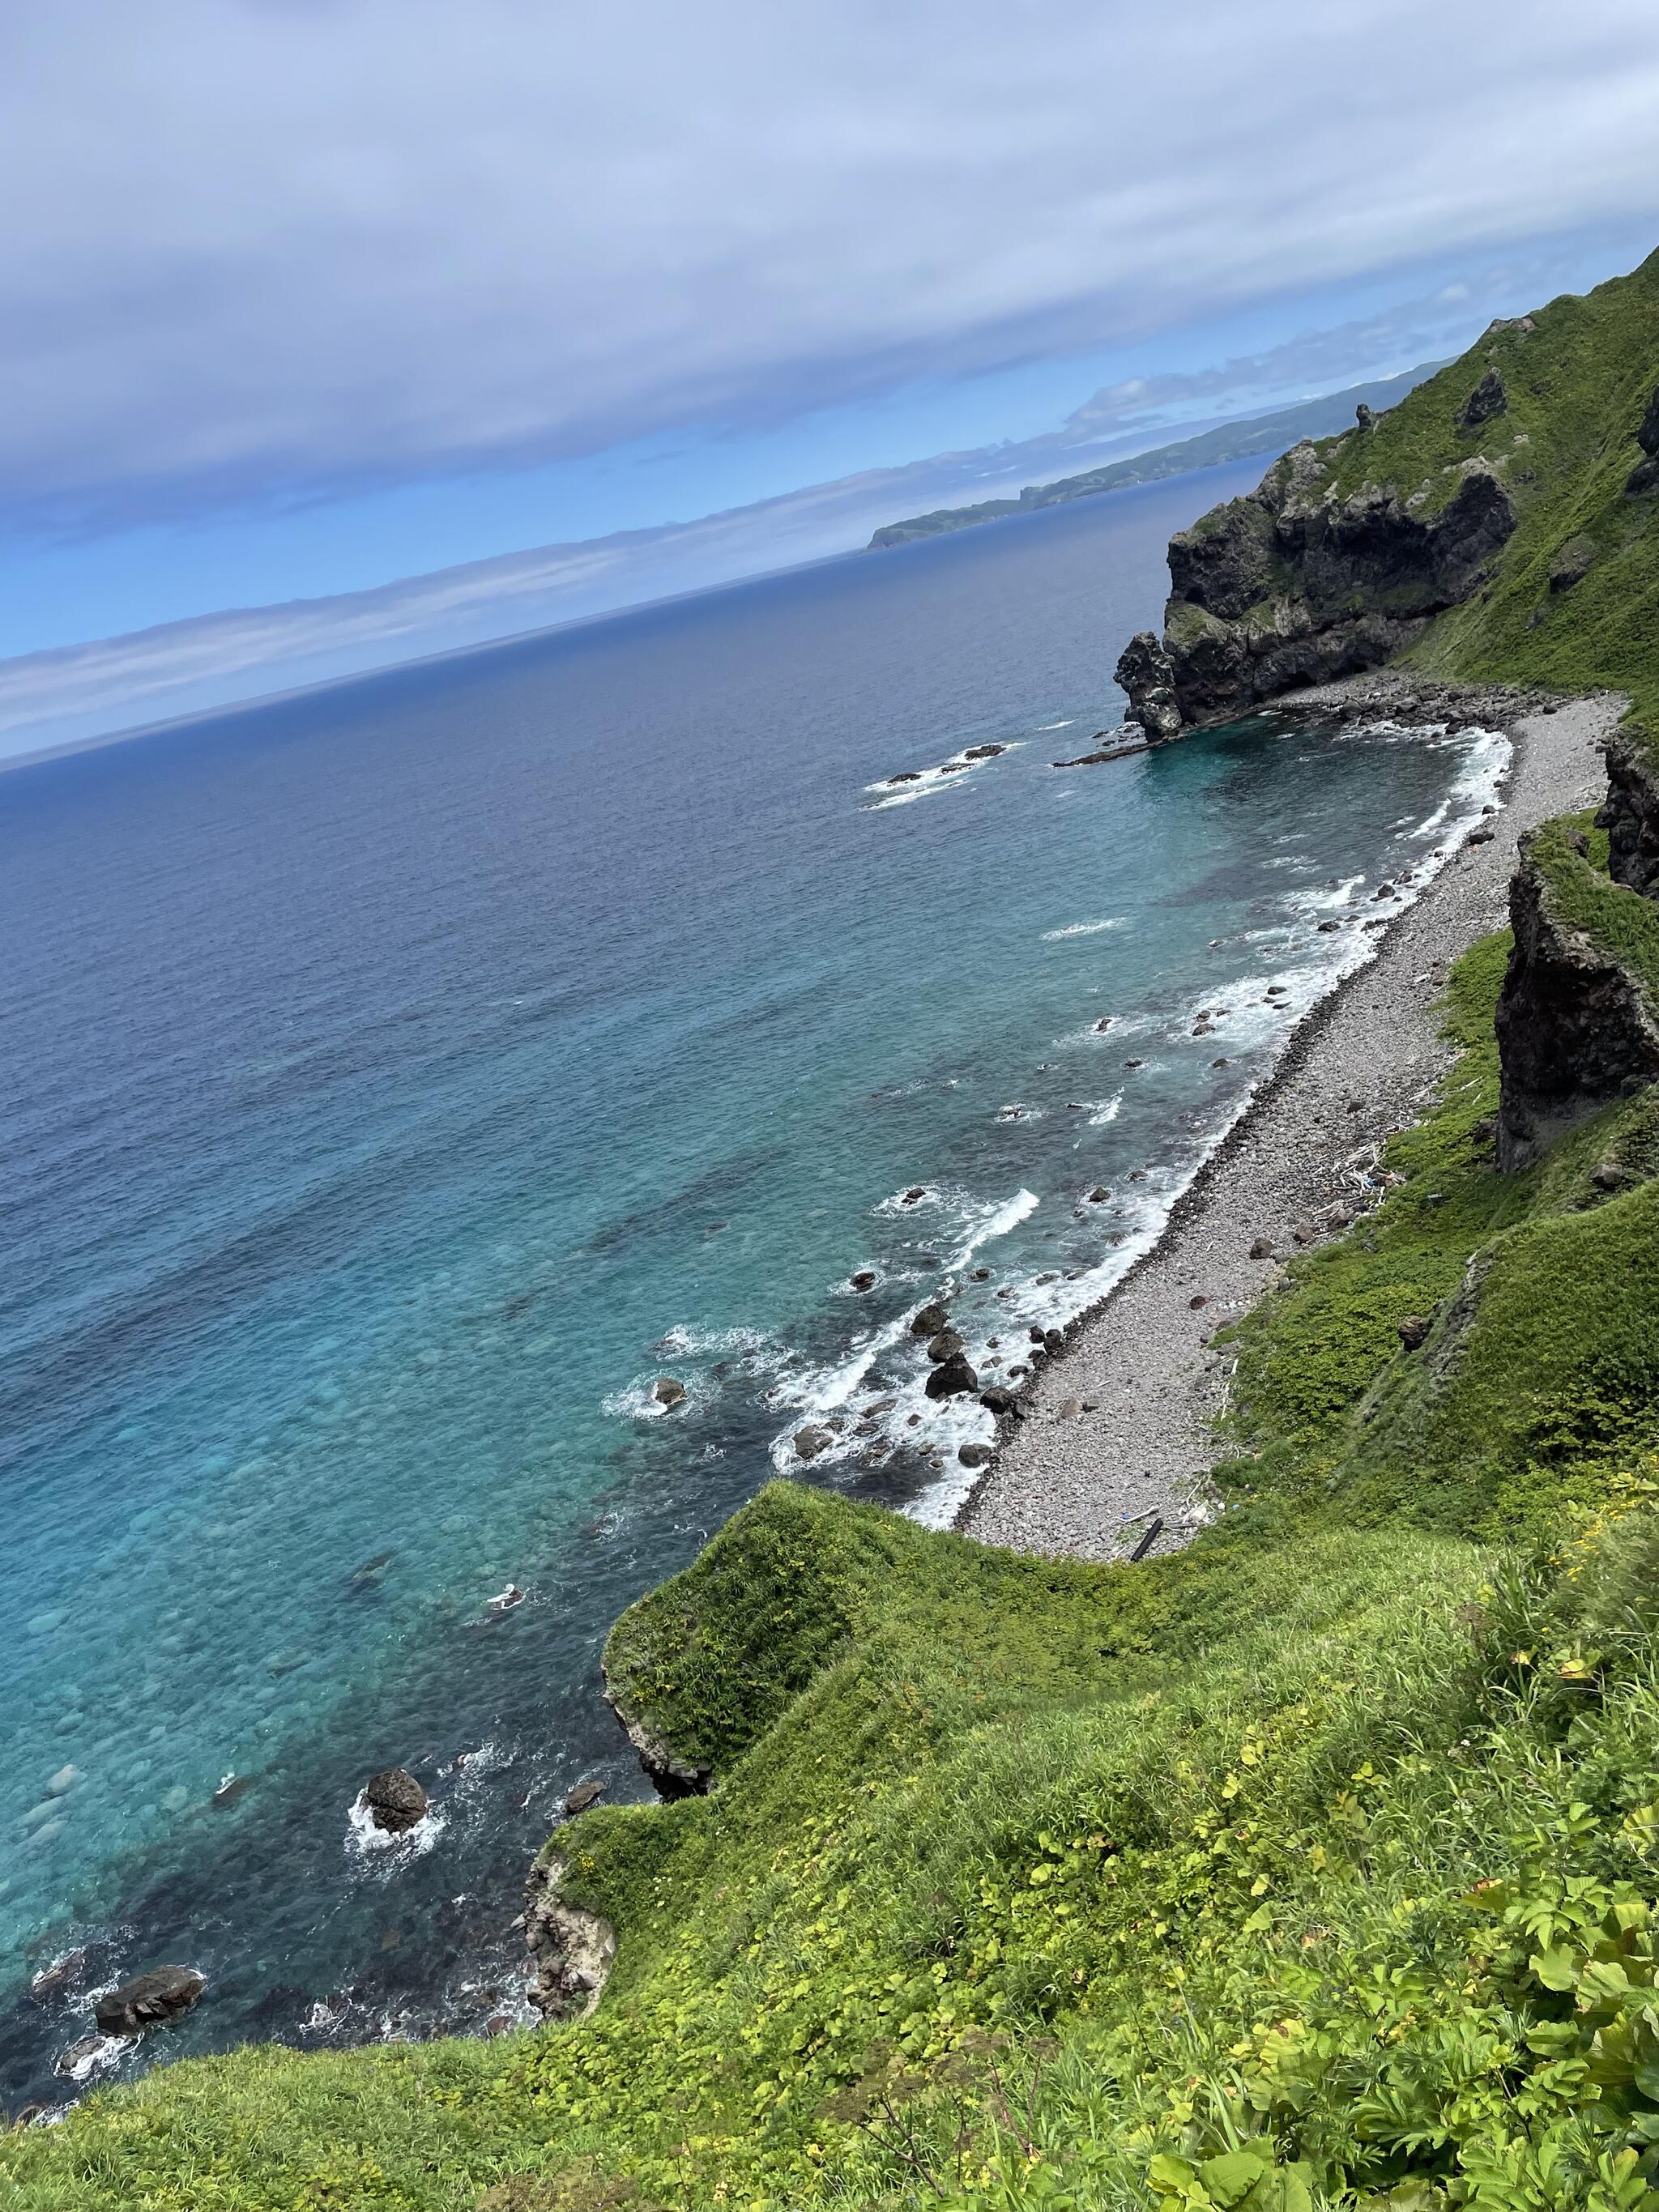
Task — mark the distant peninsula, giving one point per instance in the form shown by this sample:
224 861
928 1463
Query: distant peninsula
1228 441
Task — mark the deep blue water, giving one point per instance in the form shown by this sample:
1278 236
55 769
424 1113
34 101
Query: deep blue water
398 1079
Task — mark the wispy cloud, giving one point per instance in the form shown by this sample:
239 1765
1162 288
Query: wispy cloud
270 251
83 691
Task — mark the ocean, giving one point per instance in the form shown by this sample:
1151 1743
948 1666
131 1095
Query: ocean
403 1079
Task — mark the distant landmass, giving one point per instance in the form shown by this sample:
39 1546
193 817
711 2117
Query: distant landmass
1228 441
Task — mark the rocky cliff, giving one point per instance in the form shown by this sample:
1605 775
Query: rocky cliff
1577 1025
1296 584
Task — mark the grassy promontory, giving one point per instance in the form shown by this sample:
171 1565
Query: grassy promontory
1314 1866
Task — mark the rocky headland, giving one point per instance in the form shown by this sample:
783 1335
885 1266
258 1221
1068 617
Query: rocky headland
1295 585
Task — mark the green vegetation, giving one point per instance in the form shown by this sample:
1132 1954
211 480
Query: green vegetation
1316 1866
1578 383
1583 898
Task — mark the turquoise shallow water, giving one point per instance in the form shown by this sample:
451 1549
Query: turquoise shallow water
400 1080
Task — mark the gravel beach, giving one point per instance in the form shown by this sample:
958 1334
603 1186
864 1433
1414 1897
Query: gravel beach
1115 1431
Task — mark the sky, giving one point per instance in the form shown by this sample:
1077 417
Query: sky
336 330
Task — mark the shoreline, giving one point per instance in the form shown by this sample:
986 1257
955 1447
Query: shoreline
1115 1432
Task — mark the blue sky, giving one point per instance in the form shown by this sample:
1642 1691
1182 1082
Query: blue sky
307 297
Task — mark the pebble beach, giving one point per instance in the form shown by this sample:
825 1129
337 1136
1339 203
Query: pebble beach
1115 1438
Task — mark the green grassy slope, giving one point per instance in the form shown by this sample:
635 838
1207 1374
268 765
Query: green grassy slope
1578 384
1315 1866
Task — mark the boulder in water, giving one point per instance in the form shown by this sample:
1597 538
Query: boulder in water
151 2000
395 1799
669 1392
930 1320
812 1439
943 1345
952 1378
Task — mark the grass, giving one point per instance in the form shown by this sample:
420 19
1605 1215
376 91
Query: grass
1578 384
1543 1360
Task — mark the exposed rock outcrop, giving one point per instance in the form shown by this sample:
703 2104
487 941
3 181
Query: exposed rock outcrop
1631 815
669 1775
1291 585
1488 399
1572 563
1573 1031
1144 671
1644 477
573 1950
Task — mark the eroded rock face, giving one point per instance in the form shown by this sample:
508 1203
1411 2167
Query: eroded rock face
1488 399
669 1775
1291 586
1630 816
1644 477
1573 1033
572 1950
1145 672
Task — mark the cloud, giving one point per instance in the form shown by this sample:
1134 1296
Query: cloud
269 251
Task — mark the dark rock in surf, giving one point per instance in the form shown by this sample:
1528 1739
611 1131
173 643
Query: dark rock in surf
151 2000
944 1346
811 1440
1147 675
584 1794
952 1378
929 1322
973 1455
394 1799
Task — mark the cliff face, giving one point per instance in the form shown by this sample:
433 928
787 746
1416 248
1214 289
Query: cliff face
1575 1023
1631 815
1501 521
1295 585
